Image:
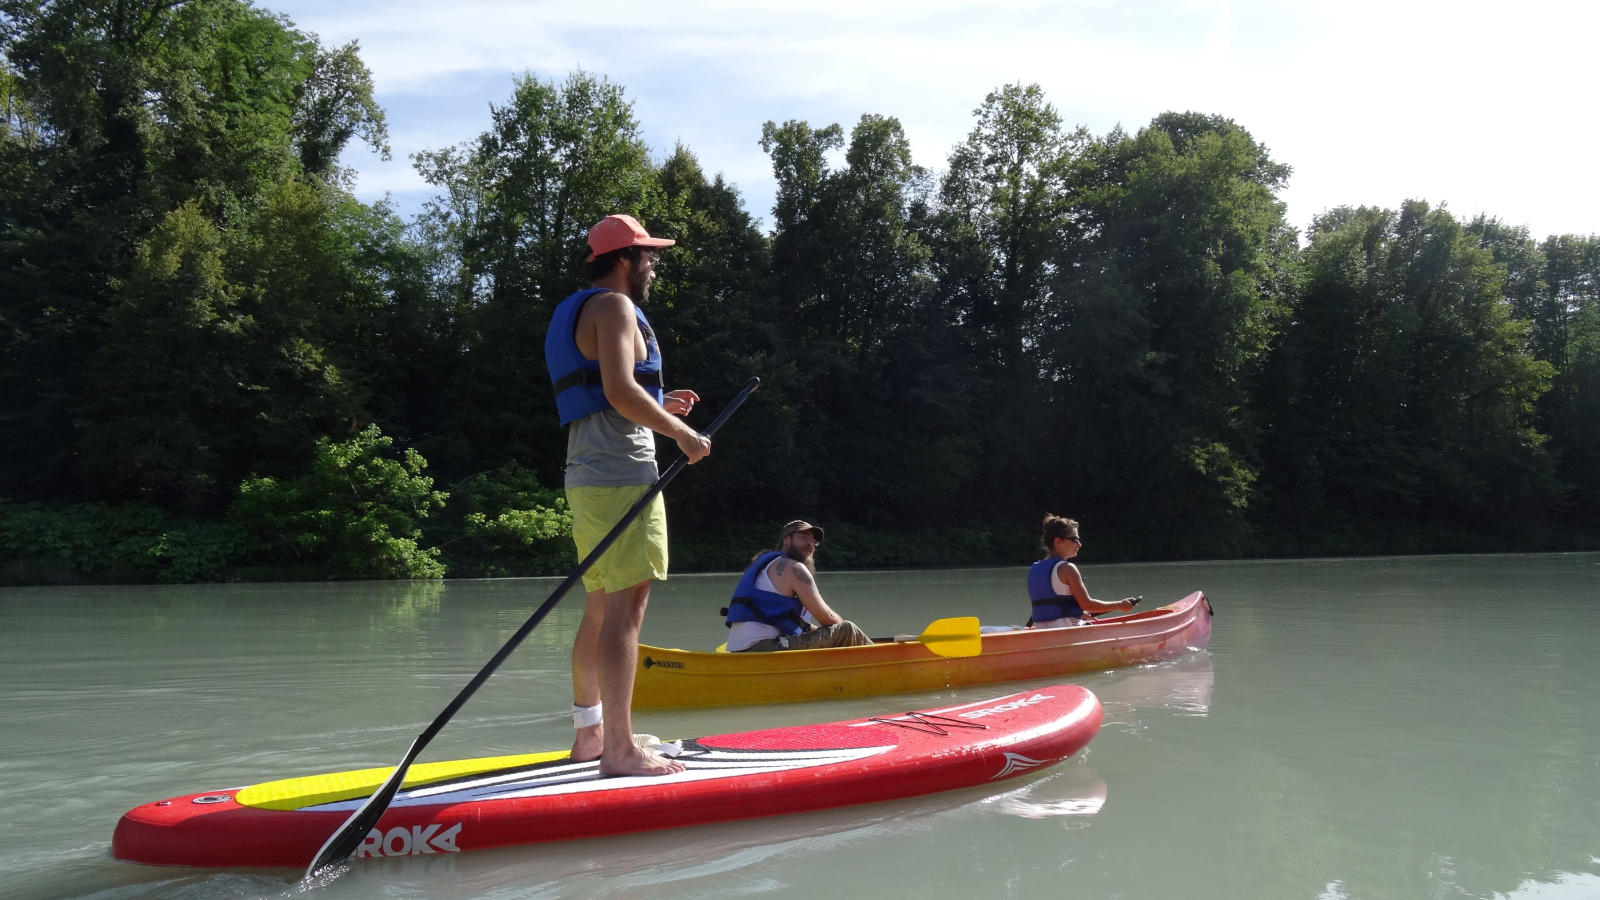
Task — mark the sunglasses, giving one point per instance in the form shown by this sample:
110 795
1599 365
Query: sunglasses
1075 539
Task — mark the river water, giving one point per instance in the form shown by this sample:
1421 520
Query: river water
1424 727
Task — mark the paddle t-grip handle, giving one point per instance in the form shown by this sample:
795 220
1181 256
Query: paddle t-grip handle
344 842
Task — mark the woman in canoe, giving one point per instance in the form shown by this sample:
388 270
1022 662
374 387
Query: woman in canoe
1056 587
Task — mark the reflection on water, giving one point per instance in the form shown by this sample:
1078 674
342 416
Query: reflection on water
1073 790
627 863
1565 887
1378 729
1182 685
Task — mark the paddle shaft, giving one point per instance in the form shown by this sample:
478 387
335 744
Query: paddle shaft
350 835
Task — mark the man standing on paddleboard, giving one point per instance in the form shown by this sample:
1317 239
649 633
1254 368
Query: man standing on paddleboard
605 364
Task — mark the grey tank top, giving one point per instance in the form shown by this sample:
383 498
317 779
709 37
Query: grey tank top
605 449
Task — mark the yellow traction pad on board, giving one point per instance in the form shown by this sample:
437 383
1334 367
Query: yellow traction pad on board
296 793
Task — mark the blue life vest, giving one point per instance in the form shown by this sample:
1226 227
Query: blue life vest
751 604
576 377
1047 604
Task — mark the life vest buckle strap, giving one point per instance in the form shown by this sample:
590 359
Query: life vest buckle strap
586 377
750 604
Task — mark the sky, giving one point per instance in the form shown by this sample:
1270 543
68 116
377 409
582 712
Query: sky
1479 106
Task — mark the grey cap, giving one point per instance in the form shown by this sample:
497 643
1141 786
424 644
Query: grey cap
799 525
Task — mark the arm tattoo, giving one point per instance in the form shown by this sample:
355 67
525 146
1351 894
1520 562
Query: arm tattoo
782 564
801 573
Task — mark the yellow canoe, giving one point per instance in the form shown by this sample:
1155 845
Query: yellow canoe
677 678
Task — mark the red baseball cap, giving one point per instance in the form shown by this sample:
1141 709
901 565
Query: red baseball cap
616 232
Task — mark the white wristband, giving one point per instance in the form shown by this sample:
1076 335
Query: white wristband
585 716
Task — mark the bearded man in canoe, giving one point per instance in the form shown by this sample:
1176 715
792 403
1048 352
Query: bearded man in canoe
776 605
1055 586
605 364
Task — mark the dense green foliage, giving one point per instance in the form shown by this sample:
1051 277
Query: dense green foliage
215 362
356 511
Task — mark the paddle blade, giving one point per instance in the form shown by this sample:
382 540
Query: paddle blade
953 638
344 842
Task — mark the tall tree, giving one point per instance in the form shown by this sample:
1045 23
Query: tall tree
1168 302
886 430
1005 205
516 206
1407 392
1004 215
147 353
718 327
1566 333
333 104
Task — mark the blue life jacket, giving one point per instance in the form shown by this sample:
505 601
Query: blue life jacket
751 604
576 377
1047 604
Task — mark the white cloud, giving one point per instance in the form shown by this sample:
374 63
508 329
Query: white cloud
1480 105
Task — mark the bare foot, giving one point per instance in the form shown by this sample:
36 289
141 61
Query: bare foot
637 761
587 745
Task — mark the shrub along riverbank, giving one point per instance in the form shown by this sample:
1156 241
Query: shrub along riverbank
368 511
215 362
361 514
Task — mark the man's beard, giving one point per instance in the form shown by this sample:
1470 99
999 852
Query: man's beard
639 286
802 560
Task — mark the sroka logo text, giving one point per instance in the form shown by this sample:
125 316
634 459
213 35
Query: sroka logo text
410 841
1004 707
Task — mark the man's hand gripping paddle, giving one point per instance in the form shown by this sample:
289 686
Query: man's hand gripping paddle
350 835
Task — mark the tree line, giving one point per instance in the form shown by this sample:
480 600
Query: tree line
217 362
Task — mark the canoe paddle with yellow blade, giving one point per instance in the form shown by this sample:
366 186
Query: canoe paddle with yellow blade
953 638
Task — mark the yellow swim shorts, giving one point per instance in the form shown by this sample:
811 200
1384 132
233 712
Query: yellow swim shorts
640 554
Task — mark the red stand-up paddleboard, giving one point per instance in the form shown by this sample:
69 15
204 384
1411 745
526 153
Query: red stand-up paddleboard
477 803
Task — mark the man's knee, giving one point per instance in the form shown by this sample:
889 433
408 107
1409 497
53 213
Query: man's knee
854 635
846 634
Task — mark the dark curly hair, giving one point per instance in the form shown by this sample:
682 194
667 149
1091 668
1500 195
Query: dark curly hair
602 265
1056 528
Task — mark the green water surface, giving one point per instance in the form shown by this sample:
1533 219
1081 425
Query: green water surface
1381 728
